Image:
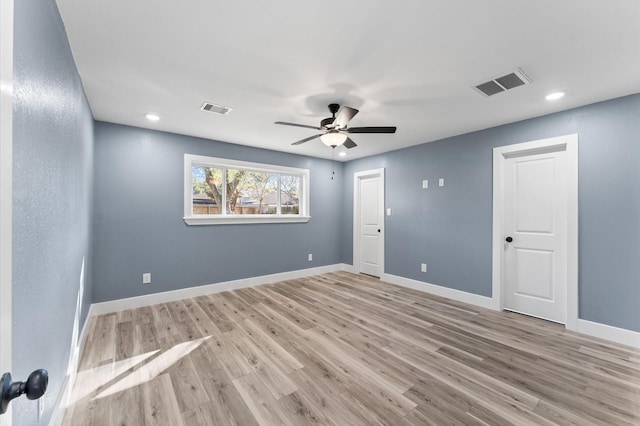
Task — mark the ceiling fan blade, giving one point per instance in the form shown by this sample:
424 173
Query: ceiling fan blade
390 129
344 116
349 143
297 125
307 139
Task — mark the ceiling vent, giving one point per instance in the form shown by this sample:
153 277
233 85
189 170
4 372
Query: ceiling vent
503 83
216 108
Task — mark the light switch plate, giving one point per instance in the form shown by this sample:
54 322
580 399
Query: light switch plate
425 184
441 182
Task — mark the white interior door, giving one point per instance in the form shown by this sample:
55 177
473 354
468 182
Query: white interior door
535 220
369 221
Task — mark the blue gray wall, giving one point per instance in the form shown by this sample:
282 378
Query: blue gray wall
450 228
138 224
52 172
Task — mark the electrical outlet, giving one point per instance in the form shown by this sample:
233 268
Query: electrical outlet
423 267
146 278
425 184
388 212
441 182
310 257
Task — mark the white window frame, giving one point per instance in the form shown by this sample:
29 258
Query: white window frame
189 218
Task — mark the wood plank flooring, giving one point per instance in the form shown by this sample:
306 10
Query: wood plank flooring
345 349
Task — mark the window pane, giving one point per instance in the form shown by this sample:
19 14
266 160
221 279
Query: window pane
290 194
254 192
207 190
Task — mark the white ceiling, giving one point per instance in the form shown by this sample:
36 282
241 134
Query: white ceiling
411 64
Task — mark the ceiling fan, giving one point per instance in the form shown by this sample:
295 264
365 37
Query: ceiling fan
335 128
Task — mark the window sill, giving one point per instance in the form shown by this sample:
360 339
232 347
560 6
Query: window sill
231 220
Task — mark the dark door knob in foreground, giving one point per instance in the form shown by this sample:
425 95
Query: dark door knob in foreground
508 239
378 229
34 387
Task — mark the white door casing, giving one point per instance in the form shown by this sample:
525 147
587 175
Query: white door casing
535 262
6 172
532 250
368 227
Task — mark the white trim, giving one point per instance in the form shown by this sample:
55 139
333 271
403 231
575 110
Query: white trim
607 332
589 328
170 296
6 188
223 219
357 177
349 268
236 219
569 143
449 293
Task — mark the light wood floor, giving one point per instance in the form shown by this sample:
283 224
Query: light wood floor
345 349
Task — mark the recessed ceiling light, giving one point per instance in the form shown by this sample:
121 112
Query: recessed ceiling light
342 154
554 96
151 117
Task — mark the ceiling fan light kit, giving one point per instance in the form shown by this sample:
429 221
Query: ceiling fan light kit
333 138
335 128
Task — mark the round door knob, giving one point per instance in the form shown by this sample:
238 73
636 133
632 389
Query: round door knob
508 239
378 229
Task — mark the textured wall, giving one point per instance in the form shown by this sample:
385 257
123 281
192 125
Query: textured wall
52 172
450 227
138 224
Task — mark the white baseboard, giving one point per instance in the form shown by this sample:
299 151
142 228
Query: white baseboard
460 296
349 268
607 332
594 329
170 296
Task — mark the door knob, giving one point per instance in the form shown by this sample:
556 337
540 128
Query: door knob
34 387
508 239
378 229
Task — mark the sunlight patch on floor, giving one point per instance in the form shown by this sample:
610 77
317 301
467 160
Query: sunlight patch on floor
88 381
153 368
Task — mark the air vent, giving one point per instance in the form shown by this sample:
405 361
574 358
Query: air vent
216 108
490 88
503 83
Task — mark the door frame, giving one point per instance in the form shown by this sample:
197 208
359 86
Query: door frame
6 185
357 179
569 144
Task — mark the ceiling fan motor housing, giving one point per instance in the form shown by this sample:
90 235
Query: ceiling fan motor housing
326 122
